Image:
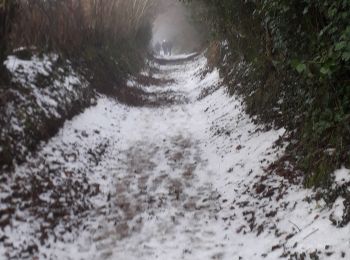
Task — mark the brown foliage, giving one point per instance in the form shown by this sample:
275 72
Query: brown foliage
71 24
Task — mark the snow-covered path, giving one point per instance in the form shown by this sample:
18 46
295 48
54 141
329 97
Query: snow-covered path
177 181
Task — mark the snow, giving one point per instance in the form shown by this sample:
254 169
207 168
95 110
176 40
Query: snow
177 56
46 89
179 182
26 73
342 176
26 70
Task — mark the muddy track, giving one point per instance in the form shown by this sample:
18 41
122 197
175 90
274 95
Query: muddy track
182 173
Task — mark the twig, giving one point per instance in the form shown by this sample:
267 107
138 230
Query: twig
311 233
294 225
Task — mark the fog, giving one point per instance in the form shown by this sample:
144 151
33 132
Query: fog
173 24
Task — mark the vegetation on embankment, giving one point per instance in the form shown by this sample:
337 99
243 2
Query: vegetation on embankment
107 38
98 44
291 62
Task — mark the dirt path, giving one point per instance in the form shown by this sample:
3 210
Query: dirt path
177 180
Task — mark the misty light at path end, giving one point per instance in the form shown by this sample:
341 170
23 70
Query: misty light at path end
174 25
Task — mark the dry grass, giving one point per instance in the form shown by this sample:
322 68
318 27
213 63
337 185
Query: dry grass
71 24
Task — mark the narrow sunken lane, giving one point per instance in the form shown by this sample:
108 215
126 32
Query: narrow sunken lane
182 179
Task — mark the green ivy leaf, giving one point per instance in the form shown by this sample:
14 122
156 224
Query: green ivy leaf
325 71
332 12
306 10
346 56
340 45
301 67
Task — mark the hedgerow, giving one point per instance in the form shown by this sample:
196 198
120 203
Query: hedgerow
297 53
